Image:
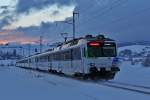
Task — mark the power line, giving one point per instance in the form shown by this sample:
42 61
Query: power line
131 16
92 8
127 18
106 10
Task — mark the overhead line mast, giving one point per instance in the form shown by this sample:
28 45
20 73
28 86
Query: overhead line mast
41 44
74 24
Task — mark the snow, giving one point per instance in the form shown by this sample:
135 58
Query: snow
135 74
7 62
21 84
134 48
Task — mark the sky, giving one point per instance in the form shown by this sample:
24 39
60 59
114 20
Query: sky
25 21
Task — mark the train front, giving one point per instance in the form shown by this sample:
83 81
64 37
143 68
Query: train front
101 57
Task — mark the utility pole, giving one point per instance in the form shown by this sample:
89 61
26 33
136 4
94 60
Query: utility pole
29 49
74 23
41 40
23 52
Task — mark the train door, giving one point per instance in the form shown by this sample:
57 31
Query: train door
50 62
67 61
36 62
83 61
76 61
70 61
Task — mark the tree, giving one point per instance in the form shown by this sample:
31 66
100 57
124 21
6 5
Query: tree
125 52
146 61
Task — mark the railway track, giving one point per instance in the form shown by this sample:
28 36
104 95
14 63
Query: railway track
126 86
133 85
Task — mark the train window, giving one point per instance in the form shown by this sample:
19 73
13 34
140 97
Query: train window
36 59
67 55
109 51
25 61
43 58
56 56
49 57
104 50
94 51
72 54
61 56
76 54
29 60
32 60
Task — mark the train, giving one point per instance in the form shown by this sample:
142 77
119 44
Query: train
86 57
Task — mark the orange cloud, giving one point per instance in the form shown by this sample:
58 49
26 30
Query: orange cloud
3 42
18 38
6 32
23 40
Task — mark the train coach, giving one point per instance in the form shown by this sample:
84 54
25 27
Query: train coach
88 57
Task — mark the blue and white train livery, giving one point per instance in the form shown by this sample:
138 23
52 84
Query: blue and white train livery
88 57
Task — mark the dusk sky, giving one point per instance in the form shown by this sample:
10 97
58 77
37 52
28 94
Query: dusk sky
24 21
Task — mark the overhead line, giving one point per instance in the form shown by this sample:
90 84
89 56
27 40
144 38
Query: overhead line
119 3
106 10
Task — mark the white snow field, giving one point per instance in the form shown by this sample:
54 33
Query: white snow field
21 84
134 48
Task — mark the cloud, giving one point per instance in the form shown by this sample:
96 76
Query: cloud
22 40
7 10
35 17
8 5
18 37
25 6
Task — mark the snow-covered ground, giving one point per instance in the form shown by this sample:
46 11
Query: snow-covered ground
144 50
21 84
135 74
7 62
135 48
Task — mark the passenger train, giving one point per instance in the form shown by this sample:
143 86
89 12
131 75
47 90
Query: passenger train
87 57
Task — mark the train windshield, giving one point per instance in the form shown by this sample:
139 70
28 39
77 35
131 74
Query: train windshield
98 49
109 50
